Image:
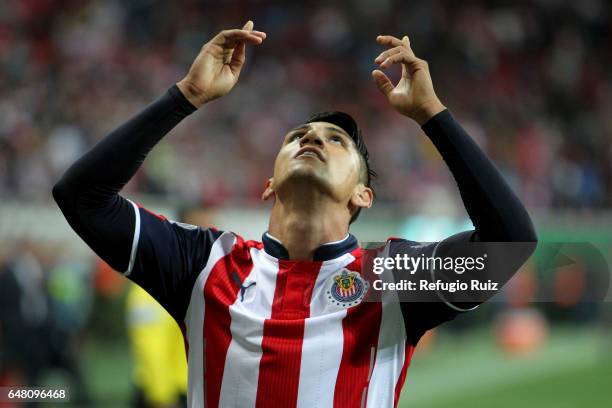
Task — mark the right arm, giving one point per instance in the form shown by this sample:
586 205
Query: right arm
87 193
157 254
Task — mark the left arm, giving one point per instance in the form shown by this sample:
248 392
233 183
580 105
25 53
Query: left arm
496 212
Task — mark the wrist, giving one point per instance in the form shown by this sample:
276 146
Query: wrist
191 92
427 111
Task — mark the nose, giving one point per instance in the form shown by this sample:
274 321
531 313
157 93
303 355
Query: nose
311 137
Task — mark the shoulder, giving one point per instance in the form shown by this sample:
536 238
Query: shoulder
223 242
397 245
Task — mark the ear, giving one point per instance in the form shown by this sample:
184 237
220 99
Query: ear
268 191
362 197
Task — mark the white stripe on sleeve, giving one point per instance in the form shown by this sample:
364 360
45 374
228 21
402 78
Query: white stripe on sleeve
134 240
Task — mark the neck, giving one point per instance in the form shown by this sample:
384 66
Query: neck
302 226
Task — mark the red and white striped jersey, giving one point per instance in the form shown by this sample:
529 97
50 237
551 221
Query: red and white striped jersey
262 330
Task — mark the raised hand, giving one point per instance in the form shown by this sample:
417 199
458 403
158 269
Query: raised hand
217 67
413 95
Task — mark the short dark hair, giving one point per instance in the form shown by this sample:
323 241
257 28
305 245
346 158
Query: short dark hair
349 125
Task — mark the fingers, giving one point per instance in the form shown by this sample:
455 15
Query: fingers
246 35
401 56
245 32
389 40
229 38
386 54
400 53
382 82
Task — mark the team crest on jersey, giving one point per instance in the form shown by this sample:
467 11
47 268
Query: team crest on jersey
346 289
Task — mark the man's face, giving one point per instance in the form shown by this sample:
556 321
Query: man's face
319 153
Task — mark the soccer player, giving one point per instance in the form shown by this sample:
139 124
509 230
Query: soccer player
264 322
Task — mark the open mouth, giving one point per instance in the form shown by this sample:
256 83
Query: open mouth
309 152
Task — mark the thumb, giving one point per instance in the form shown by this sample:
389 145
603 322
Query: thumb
382 82
238 58
248 26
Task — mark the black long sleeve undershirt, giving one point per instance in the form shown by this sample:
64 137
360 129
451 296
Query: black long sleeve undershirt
88 196
497 214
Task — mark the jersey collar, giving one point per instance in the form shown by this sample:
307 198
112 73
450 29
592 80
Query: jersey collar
325 252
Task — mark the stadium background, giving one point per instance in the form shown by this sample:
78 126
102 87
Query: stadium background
530 81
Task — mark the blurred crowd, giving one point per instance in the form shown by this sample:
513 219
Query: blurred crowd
45 303
529 80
